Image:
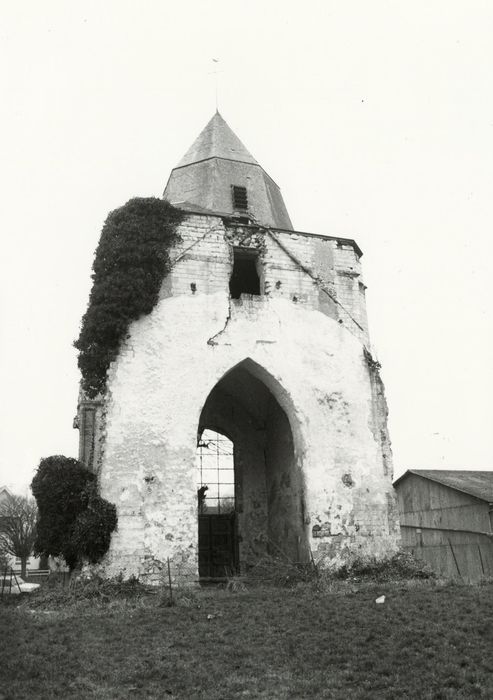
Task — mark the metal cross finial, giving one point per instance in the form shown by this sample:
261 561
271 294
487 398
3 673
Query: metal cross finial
216 74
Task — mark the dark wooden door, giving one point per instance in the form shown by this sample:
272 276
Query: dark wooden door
217 545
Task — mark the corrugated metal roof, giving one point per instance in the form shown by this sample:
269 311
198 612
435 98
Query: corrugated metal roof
216 161
474 483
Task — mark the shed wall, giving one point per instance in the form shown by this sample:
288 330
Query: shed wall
423 502
446 528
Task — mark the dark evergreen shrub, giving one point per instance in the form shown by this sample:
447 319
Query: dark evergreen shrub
74 521
93 527
130 263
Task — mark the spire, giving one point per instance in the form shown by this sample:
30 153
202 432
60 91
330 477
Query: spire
219 174
216 140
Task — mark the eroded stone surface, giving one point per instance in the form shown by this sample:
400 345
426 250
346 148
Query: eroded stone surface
283 374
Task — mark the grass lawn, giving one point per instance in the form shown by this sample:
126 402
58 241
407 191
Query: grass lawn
425 641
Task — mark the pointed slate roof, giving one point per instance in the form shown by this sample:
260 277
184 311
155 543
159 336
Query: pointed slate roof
216 140
216 161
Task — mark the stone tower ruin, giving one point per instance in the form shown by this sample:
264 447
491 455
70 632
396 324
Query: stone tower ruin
257 358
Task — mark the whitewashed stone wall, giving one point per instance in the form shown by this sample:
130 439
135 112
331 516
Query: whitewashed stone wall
304 338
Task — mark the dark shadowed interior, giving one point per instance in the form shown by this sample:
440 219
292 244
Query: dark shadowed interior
245 278
269 501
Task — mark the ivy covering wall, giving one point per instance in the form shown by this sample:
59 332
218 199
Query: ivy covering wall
131 260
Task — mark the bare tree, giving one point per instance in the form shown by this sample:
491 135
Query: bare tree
18 517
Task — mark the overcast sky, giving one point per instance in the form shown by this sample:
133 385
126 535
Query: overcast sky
376 120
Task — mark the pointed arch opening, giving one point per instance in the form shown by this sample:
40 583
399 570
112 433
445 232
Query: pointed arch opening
246 405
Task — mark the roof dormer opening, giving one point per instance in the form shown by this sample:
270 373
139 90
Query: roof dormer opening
244 278
240 199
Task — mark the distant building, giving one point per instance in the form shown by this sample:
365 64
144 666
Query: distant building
260 336
447 520
5 493
12 561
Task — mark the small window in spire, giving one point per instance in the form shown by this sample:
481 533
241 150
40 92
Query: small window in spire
240 200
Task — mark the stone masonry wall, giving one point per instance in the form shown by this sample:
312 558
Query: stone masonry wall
305 268
304 338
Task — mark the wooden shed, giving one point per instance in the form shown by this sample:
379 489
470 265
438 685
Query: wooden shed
447 520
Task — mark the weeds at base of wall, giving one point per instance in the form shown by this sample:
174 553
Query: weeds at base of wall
362 573
60 593
402 566
371 574
276 571
60 603
280 572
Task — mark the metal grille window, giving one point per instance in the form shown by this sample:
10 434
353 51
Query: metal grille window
215 474
240 199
